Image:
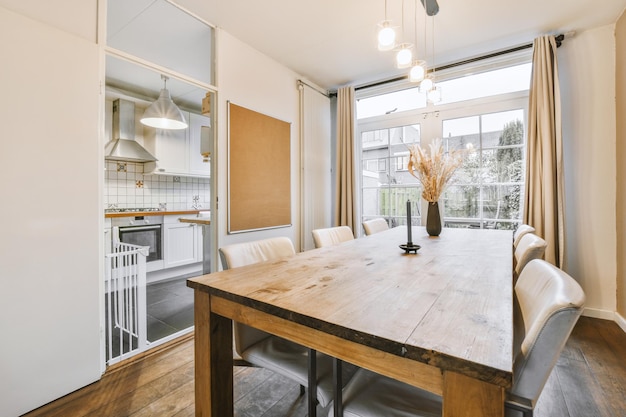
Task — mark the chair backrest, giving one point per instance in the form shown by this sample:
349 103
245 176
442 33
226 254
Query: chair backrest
530 247
549 303
375 226
247 253
332 236
242 254
521 231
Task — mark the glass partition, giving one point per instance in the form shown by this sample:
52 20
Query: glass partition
161 33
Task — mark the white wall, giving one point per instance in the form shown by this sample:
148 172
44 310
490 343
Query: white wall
587 71
315 164
50 165
249 79
76 17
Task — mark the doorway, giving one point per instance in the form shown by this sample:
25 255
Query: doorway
141 61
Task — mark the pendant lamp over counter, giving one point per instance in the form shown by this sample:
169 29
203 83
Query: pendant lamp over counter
163 113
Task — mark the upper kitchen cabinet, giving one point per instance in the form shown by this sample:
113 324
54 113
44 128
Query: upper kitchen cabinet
158 32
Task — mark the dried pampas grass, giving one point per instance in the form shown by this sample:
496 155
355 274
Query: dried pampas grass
434 170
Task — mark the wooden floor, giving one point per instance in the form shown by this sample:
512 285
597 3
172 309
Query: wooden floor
588 381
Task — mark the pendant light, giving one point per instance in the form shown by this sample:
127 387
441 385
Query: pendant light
434 93
404 56
418 71
426 85
163 113
386 34
418 67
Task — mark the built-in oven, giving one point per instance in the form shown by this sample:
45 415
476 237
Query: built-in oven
142 231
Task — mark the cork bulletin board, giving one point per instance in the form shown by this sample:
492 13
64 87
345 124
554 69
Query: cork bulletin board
259 171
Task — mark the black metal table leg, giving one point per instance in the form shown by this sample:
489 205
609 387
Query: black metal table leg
312 398
337 388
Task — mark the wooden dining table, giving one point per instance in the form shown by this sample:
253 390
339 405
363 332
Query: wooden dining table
440 319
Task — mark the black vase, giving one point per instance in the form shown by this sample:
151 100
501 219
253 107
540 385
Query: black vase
433 220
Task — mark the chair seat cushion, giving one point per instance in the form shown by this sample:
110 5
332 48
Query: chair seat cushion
380 396
291 360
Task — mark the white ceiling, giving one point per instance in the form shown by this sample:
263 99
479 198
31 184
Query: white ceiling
329 42
333 42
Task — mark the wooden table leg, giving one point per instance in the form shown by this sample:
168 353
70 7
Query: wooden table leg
213 360
468 397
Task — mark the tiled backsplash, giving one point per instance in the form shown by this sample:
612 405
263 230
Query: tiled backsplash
126 186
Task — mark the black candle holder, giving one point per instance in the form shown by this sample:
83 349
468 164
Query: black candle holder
409 247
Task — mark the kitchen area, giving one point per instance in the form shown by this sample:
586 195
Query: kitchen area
158 177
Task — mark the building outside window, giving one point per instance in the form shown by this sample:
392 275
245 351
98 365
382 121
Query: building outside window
385 191
486 191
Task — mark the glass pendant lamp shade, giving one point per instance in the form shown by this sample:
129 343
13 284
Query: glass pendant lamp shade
418 71
386 36
426 85
163 113
434 95
404 56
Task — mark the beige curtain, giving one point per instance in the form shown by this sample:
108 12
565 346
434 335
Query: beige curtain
345 209
543 208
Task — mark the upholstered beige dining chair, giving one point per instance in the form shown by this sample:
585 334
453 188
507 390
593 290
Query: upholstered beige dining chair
548 305
521 230
261 349
332 236
375 226
529 247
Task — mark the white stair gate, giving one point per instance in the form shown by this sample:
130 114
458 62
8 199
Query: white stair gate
125 302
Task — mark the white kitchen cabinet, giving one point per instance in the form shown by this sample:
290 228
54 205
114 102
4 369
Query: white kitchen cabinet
178 151
182 242
197 166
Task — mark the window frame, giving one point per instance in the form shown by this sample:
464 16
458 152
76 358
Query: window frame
431 126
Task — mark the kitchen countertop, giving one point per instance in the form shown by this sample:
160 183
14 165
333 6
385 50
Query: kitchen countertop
151 213
196 220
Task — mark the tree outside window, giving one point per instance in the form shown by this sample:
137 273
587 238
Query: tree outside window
487 189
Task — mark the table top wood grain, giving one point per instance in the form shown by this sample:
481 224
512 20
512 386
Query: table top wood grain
449 305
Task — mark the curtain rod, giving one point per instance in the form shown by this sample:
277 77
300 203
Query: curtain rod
559 40
324 93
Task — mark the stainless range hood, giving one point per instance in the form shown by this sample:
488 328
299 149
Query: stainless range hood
123 146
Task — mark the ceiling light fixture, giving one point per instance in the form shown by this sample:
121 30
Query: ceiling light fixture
386 34
426 85
434 93
418 67
163 113
418 71
404 56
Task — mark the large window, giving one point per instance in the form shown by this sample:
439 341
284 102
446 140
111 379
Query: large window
386 189
486 191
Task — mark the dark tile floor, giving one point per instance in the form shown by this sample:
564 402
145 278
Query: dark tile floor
170 308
